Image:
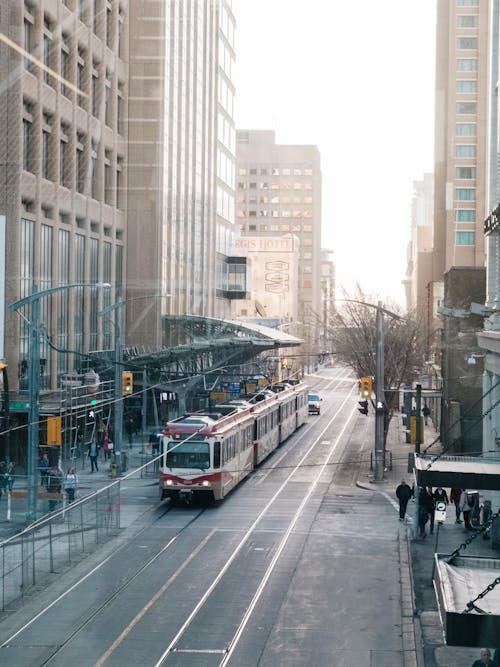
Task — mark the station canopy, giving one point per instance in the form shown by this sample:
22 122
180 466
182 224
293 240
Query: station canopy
462 472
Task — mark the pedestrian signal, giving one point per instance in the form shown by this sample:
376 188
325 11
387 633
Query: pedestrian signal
364 407
366 387
127 383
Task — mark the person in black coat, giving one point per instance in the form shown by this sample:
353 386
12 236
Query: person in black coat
403 493
425 509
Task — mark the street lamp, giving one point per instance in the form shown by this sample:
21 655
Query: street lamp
34 381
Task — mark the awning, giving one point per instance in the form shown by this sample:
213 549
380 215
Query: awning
458 583
463 472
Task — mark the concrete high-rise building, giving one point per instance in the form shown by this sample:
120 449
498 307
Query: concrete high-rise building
117 159
419 264
460 135
181 164
278 192
63 166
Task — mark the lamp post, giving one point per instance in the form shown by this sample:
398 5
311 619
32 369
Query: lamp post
34 381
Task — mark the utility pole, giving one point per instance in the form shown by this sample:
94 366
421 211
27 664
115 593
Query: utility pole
379 396
418 423
118 410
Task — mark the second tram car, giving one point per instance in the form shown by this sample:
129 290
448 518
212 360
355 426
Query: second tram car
210 452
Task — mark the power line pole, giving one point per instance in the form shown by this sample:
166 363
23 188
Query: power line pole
379 396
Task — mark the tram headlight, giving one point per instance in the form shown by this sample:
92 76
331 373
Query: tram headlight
169 482
205 482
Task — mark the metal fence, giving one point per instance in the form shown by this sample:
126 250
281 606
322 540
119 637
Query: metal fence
30 557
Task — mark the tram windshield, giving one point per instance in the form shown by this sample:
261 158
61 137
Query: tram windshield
190 454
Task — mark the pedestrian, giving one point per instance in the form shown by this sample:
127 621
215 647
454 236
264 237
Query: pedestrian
455 499
44 466
440 494
11 475
432 507
93 453
426 412
403 493
54 484
105 445
466 505
425 506
485 659
71 484
3 478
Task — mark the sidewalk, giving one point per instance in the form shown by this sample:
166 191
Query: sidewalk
417 558
88 482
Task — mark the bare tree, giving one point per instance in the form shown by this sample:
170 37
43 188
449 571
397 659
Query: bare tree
352 335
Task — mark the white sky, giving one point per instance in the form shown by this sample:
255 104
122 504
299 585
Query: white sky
355 78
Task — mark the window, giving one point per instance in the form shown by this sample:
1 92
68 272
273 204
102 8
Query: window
95 88
80 163
63 156
466 107
275 171
119 183
465 238
107 98
465 215
47 45
466 129
253 172
464 150
109 27
94 183
466 21
467 43
80 71
242 171
465 172
27 42
119 107
466 86
65 65
27 137
467 3
46 143
108 178
121 23
465 194
467 65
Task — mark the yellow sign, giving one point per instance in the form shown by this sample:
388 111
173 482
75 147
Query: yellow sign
217 395
413 429
262 382
251 387
54 436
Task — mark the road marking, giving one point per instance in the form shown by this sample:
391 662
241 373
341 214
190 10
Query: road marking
152 601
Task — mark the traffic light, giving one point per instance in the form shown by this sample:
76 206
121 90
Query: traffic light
364 407
366 387
127 383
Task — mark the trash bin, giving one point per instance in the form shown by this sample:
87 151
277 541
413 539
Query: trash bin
408 436
124 461
112 470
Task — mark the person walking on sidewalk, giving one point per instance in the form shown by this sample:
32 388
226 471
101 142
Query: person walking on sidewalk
432 507
455 499
425 507
466 508
485 659
403 493
426 412
71 484
93 452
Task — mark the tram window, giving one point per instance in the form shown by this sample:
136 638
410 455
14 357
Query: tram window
216 454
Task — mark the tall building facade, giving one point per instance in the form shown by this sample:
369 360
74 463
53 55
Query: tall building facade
419 256
460 134
181 163
117 165
278 192
63 160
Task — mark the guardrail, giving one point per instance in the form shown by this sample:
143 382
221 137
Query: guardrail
62 537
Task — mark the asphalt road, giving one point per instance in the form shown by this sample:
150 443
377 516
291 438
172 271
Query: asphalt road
296 567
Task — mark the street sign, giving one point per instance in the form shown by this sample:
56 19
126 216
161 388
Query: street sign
19 406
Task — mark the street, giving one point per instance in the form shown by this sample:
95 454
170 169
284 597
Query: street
297 566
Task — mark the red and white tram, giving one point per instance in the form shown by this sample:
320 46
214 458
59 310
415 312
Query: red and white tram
211 452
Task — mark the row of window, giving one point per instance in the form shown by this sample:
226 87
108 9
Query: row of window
73 159
264 185
275 199
273 213
78 73
276 228
275 171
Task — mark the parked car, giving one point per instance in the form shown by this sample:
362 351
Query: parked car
314 401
